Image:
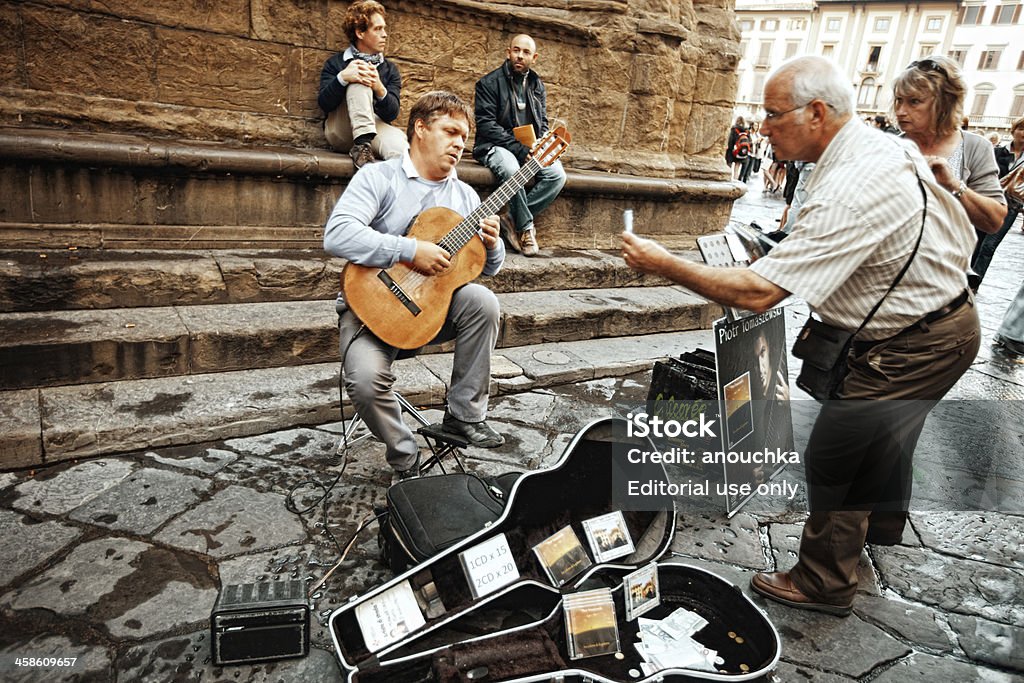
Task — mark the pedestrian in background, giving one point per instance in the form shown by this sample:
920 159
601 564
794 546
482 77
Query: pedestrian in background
928 103
1010 159
734 146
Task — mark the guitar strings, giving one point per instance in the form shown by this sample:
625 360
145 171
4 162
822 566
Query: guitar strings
462 233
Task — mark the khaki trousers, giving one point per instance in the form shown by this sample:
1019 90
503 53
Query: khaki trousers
861 448
355 117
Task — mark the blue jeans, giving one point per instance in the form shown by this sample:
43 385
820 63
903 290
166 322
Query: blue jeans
1012 326
525 205
986 247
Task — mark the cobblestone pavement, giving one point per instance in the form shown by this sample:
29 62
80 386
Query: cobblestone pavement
117 561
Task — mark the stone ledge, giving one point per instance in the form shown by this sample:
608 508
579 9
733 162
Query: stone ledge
128 151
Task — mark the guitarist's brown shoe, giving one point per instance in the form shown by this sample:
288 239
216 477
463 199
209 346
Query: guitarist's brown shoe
477 433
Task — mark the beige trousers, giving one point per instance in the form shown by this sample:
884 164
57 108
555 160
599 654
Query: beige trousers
355 117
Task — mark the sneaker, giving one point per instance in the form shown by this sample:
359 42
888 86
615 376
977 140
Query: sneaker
1011 346
528 242
506 230
362 154
477 433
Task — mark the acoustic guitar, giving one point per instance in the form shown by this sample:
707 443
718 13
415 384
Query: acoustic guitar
406 308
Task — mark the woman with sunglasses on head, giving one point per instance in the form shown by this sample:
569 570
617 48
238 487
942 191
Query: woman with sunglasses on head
928 103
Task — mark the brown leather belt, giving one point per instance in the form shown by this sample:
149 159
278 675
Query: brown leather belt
859 347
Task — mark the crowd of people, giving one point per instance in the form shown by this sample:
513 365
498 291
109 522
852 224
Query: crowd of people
881 236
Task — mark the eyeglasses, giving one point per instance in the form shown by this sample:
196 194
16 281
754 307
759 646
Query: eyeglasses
928 65
773 115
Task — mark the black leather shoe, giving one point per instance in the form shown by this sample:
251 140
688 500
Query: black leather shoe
477 433
1011 346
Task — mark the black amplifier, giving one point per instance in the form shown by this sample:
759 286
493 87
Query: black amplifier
258 622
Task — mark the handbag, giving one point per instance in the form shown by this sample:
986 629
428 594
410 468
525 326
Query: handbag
824 348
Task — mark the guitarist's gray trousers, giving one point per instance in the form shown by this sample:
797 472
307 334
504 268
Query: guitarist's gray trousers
472 322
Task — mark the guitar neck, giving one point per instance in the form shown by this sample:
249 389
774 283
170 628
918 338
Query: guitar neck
462 233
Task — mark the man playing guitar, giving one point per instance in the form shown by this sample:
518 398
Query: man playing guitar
368 227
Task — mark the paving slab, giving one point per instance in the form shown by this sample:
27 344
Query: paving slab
910 623
92 570
92 662
178 605
233 521
142 501
952 584
188 658
989 642
210 461
22 445
59 490
736 540
29 543
929 668
990 537
787 672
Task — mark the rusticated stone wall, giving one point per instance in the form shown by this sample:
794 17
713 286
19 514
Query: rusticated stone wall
645 86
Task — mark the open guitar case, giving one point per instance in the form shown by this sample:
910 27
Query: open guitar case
518 632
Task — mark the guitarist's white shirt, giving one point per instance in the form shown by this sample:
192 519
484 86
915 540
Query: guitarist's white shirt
368 224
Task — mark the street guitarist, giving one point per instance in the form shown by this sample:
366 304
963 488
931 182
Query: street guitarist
368 227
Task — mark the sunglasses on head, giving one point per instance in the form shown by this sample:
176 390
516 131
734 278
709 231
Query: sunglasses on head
928 65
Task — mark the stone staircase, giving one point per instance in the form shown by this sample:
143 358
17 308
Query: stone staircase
224 325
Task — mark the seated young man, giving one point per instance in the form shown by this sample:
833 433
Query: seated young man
360 89
368 227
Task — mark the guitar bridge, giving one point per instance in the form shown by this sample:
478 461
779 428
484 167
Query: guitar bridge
394 288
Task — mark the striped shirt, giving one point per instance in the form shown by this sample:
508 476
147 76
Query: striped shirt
858 227
370 220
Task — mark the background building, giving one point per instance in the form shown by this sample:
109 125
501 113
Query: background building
874 41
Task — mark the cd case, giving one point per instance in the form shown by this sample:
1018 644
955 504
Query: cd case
590 624
642 592
562 555
608 536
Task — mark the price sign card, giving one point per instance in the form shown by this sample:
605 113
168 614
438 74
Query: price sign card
489 566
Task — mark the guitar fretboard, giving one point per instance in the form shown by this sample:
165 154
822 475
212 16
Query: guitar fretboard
462 233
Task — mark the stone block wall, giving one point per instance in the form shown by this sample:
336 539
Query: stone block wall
645 86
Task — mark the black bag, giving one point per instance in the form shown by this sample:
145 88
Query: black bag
426 515
823 349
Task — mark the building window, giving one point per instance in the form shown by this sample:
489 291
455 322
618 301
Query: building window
959 55
797 24
769 25
828 50
980 102
990 59
868 94
1020 62
1017 108
791 47
1006 14
882 24
758 94
972 14
874 53
746 24
933 24
764 57
833 24
926 50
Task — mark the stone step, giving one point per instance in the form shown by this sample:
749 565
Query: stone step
81 346
60 279
47 425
